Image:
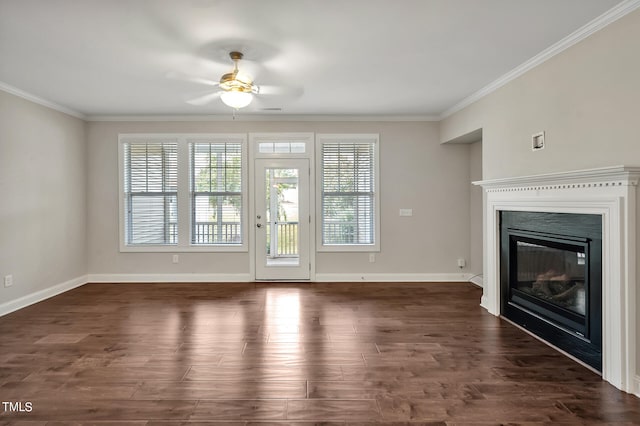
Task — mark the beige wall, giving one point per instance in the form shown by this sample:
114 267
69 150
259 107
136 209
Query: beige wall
475 208
586 99
416 172
43 187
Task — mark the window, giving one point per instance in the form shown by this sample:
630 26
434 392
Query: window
287 147
216 192
150 192
183 192
282 145
349 195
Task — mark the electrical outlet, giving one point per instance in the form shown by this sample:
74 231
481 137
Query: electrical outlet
537 141
406 212
8 280
372 257
176 258
462 263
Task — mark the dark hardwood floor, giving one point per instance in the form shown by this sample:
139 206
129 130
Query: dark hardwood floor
354 353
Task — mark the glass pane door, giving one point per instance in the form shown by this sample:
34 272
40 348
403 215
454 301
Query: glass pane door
282 219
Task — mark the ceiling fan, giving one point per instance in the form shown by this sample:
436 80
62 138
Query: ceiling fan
236 88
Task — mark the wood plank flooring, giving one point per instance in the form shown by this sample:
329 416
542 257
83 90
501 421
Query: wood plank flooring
350 353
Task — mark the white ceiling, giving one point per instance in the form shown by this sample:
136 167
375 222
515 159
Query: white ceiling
353 57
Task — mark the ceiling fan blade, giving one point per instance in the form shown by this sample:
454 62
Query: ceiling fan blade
205 99
174 75
290 92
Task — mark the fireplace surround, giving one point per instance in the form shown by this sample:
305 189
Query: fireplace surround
608 192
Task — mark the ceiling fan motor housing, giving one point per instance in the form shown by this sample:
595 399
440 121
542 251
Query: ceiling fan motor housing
234 81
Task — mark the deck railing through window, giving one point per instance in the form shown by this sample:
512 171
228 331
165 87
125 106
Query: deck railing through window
217 232
341 232
287 239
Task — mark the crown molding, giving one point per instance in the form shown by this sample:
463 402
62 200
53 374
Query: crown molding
262 117
577 36
40 101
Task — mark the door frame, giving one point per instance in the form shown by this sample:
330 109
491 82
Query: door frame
255 139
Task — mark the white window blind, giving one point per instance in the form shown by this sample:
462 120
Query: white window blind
348 192
216 193
150 193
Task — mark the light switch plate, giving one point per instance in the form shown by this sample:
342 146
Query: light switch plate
406 212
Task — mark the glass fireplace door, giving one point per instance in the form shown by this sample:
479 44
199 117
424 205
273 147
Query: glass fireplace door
550 278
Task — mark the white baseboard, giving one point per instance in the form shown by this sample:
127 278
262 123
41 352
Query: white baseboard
636 386
477 280
484 303
168 278
386 277
38 296
328 277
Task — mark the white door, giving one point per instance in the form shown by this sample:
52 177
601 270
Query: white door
282 219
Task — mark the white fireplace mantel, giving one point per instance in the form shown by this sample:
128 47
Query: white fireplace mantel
609 192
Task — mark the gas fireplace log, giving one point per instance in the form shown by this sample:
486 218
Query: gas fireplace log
567 294
541 287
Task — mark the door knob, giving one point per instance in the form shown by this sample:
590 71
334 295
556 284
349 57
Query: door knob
259 225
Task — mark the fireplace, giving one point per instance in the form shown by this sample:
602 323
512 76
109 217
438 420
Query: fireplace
608 193
551 279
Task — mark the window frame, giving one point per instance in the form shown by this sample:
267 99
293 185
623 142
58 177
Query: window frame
332 138
183 192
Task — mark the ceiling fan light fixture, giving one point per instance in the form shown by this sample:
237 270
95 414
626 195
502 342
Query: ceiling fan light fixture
236 99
